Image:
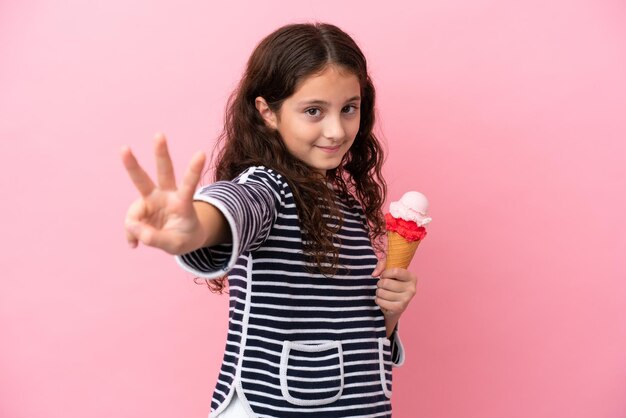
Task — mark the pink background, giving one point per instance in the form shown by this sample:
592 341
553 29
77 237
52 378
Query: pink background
510 117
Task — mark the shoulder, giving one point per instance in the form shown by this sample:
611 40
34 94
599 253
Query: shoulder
258 172
263 176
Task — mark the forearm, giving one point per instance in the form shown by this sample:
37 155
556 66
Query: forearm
213 224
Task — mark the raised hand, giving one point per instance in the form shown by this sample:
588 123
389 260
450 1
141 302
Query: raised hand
164 216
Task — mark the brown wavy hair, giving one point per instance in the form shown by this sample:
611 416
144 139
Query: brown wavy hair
274 71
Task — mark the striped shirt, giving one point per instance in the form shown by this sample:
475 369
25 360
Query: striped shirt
299 343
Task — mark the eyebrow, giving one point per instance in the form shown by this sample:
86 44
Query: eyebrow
324 103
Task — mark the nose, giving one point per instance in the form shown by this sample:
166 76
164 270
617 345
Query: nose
333 128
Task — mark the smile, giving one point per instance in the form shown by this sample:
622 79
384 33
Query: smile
330 150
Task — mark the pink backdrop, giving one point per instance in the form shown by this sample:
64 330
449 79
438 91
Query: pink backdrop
510 117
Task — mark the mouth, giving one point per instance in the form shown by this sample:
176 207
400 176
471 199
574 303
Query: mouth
330 150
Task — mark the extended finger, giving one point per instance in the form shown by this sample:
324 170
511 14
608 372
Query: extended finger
192 176
165 169
140 179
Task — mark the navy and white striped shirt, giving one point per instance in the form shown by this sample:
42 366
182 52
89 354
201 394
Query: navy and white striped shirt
299 343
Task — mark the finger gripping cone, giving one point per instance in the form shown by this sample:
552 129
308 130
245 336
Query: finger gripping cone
400 251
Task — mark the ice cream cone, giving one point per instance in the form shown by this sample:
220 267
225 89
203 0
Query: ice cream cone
400 251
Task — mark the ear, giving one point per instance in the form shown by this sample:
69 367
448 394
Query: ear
266 113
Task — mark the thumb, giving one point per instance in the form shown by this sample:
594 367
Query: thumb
145 233
380 267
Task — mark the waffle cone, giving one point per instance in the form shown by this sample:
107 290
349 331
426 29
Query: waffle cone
400 251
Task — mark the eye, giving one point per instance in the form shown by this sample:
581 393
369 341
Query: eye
312 111
350 109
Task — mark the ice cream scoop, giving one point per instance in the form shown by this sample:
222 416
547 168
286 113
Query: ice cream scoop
412 206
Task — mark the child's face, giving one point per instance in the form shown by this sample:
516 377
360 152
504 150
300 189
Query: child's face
319 122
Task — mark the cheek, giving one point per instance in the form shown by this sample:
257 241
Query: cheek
306 133
353 124
298 139
354 130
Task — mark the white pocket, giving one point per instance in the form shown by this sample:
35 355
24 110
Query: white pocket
384 357
311 374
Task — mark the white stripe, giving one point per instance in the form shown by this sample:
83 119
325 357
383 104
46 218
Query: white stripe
317 330
316 308
310 297
316 341
318 320
317 286
347 354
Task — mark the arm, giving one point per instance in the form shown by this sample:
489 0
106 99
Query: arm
213 223
396 288
170 217
245 209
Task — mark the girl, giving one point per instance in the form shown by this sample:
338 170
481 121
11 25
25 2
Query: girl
293 220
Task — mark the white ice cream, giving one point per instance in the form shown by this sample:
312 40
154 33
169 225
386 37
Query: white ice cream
412 206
